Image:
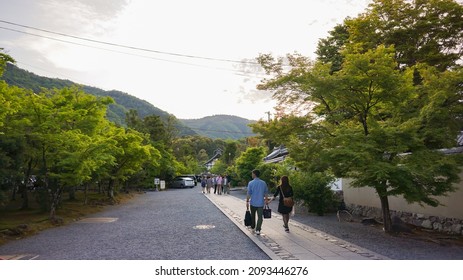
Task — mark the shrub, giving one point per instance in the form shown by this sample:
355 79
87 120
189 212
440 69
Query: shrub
314 190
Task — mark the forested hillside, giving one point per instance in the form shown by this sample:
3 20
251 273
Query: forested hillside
215 127
16 76
221 126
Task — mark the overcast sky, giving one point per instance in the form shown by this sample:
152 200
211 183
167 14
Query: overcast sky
189 66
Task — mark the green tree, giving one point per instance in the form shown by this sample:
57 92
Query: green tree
248 161
329 49
169 165
63 124
4 59
161 137
133 120
131 154
12 144
429 32
370 122
62 138
98 156
230 152
202 156
220 167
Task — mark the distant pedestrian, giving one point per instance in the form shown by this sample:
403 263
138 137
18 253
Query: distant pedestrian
219 184
284 190
214 180
203 183
257 197
209 184
225 184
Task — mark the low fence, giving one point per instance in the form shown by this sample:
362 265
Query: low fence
448 217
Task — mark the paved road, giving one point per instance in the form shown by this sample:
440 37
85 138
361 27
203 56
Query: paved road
175 224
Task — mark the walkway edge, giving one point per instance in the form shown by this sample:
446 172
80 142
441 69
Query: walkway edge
254 239
277 251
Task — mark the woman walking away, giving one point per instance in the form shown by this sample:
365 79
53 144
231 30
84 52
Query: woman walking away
284 190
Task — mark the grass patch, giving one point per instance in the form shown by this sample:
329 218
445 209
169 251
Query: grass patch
16 223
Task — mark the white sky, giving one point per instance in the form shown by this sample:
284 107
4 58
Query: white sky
186 87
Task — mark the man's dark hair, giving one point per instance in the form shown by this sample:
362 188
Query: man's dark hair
256 172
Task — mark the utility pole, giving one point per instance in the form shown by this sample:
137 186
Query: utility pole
268 120
268 116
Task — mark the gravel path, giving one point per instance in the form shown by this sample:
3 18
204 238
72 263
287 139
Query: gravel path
184 224
170 225
399 247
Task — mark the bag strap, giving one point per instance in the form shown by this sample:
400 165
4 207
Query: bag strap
282 193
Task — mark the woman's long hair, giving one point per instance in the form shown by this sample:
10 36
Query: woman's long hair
285 186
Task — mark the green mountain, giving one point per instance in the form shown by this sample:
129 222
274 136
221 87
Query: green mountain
16 76
220 126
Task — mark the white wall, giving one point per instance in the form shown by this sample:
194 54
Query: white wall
367 196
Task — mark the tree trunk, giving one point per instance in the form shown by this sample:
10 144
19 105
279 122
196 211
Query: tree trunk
85 194
72 193
386 213
111 189
24 196
23 186
55 198
15 190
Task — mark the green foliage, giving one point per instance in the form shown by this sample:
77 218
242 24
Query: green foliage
4 59
3 197
63 139
314 190
427 32
248 161
219 167
192 165
309 186
328 49
116 112
202 155
42 198
230 151
268 174
382 98
169 166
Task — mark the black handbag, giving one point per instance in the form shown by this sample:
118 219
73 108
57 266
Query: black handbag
267 212
247 219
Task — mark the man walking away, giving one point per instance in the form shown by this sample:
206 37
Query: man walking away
257 197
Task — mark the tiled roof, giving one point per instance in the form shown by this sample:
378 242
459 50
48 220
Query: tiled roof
217 154
278 154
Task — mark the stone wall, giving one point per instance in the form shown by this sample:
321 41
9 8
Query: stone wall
441 224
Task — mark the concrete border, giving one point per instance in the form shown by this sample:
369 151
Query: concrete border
241 226
278 252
